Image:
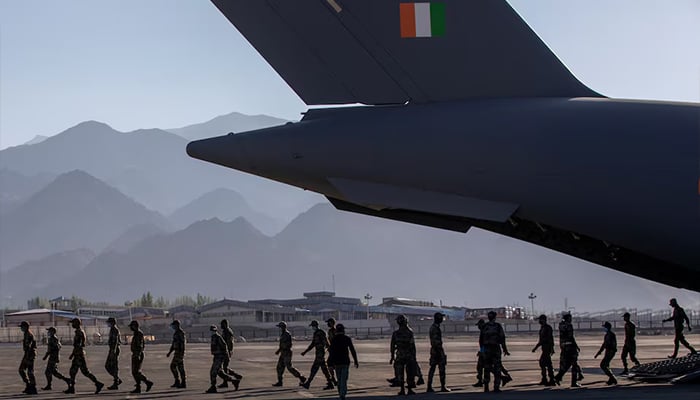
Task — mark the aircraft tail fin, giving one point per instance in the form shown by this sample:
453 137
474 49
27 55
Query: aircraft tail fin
393 51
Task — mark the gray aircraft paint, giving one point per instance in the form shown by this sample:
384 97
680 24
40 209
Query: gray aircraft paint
534 156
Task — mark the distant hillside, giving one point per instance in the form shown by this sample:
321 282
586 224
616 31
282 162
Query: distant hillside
226 205
36 139
74 211
133 236
150 166
25 281
16 188
365 255
223 124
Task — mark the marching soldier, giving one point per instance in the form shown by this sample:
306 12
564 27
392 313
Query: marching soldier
227 334
112 363
679 317
630 346
220 352
52 353
403 355
138 345
330 322
568 350
610 347
494 340
547 343
438 358
79 360
177 364
26 367
320 343
285 356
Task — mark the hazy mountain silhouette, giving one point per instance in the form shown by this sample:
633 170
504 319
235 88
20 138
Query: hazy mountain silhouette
76 210
36 139
150 166
16 188
364 254
226 205
27 280
132 236
223 124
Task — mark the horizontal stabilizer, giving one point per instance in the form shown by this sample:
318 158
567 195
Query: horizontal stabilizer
379 196
393 52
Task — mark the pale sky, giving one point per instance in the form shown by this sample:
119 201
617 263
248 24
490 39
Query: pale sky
168 63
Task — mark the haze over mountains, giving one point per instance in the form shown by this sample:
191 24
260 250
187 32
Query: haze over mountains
107 215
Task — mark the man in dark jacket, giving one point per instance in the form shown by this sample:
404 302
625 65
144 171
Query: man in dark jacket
338 358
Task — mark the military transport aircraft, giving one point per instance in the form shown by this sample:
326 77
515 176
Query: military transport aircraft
470 120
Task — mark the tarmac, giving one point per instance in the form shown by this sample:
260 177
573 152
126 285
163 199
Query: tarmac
256 361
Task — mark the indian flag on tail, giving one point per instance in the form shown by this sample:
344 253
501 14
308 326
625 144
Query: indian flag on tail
422 19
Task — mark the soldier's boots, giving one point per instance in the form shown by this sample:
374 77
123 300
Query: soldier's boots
410 391
445 389
402 392
149 385
551 382
279 383
505 379
136 390
496 389
30 389
543 382
611 381
98 387
183 384
420 381
47 387
212 389
223 385
177 384
579 375
486 387
70 390
302 380
237 376
478 383
429 389
236 383
329 386
625 372
306 385
393 382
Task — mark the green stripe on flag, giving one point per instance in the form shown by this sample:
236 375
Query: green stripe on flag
437 19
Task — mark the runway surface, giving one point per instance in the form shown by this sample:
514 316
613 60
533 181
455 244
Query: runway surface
256 361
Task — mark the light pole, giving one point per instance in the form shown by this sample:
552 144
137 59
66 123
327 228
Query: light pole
532 298
367 299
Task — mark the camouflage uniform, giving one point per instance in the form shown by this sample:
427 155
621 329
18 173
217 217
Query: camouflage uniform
679 317
331 334
220 352
320 343
177 364
112 362
285 358
403 351
493 339
438 358
79 362
569 352
138 345
630 345
227 334
52 353
26 366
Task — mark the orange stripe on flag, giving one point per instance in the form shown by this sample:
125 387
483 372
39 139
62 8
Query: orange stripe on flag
408 20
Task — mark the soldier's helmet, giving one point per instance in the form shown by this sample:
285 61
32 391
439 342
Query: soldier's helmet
626 315
51 329
224 322
314 323
330 321
401 319
566 316
176 322
111 320
213 328
282 325
340 328
491 315
542 317
438 315
75 321
134 324
607 325
24 324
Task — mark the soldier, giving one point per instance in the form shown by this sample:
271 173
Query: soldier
630 346
138 345
568 350
220 352
403 355
177 365
438 358
112 363
338 357
610 347
494 340
52 353
679 317
79 359
285 356
330 322
480 357
227 334
547 343
26 367
320 343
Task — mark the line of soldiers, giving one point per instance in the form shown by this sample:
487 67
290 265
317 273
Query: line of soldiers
492 346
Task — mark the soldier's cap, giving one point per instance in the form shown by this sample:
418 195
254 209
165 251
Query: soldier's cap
566 315
542 317
438 314
400 317
282 324
213 328
224 322
313 323
480 322
134 323
23 323
340 328
51 329
176 322
112 320
607 324
75 320
625 315
330 320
